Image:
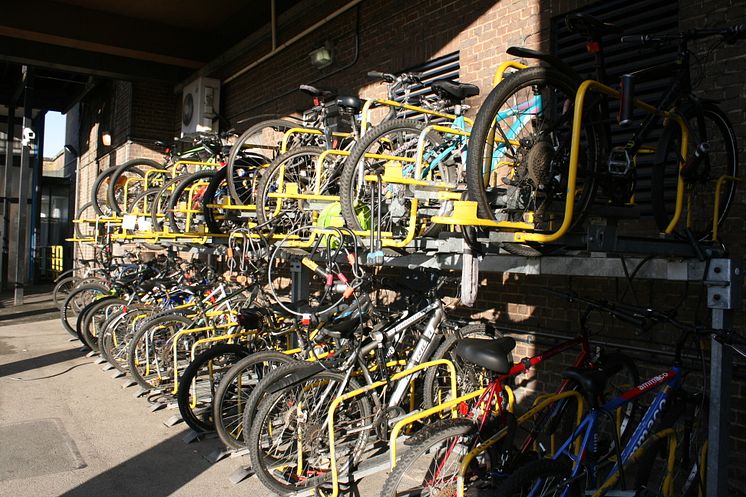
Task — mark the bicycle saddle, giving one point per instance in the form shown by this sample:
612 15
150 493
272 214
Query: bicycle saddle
489 354
317 92
353 104
591 381
453 90
589 26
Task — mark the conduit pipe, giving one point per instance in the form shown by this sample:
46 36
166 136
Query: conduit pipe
292 40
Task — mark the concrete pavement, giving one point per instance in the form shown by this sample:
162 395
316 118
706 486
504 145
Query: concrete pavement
68 429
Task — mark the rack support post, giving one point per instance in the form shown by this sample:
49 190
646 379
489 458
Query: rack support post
724 280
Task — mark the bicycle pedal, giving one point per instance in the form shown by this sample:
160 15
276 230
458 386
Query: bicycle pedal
619 163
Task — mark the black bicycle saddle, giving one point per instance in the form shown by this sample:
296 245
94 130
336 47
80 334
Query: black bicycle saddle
453 90
489 354
589 26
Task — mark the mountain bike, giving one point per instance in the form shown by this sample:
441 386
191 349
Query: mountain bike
539 151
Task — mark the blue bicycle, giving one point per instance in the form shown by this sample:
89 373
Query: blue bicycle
668 427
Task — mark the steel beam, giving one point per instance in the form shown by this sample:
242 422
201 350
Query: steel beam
5 205
724 282
21 241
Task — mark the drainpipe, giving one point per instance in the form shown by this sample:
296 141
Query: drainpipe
22 217
291 41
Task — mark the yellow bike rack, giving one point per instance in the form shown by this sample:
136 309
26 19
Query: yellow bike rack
482 447
382 102
360 391
716 208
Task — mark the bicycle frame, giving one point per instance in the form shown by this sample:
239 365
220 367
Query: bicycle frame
672 381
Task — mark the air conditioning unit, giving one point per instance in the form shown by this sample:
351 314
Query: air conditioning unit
200 106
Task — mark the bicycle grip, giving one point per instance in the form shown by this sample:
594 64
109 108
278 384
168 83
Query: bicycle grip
638 39
376 75
626 107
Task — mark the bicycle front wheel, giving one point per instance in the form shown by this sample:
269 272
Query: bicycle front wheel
431 467
289 440
710 128
519 151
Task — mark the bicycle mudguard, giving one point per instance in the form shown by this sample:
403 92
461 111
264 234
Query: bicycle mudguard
550 59
296 376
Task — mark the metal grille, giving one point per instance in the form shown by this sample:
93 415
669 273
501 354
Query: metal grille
445 67
634 16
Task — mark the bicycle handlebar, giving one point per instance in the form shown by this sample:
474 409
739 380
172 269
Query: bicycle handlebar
731 34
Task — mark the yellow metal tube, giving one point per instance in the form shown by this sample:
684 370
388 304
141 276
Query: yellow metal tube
716 208
337 401
503 67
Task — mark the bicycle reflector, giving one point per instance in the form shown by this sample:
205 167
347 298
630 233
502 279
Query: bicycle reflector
593 47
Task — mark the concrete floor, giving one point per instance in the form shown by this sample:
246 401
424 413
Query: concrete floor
68 429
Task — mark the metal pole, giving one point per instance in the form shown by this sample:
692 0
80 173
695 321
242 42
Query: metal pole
21 217
5 226
724 281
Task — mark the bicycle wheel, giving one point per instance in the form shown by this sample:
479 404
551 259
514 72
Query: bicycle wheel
380 146
85 230
469 377
519 151
540 479
145 359
128 179
254 149
199 381
76 300
90 321
289 441
99 199
160 202
708 127
62 289
234 390
297 167
431 467
219 220
188 196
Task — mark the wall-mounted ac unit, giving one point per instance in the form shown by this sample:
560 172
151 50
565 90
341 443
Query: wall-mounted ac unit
200 106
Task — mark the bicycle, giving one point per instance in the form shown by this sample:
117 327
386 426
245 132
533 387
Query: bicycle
483 446
538 153
589 472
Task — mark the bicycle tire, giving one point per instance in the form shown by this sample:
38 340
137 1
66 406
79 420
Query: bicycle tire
193 412
402 135
71 307
181 189
81 214
62 289
258 140
723 152
428 456
319 470
99 198
134 167
537 171
233 392
93 322
135 355
161 200
296 166
217 220
433 384
537 472
83 321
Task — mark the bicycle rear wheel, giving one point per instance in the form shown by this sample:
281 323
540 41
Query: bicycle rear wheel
289 439
519 151
707 125
254 149
199 381
234 390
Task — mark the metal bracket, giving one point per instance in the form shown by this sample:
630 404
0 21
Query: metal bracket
240 474
724 281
